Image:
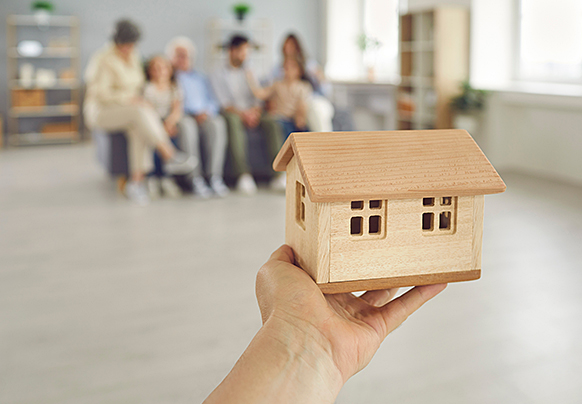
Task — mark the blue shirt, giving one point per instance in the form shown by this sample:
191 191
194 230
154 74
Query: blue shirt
198 95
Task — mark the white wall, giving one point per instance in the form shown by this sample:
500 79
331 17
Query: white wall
162 20
536 134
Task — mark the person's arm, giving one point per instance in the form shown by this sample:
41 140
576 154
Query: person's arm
301 108
262 93
310 343
177 107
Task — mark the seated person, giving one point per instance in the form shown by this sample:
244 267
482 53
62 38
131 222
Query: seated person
202 112
243 112
165 97
113 102
322 116
289 97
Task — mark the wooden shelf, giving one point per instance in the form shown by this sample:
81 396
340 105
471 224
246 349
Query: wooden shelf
62 84
54 21
62 100
51 110
47 53
434 60
24 139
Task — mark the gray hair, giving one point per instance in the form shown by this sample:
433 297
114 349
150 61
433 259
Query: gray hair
126 32
181 42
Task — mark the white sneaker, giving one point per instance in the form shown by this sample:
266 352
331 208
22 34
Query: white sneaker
279 183
200 188
136 192
246 184
154 187
170 188
180 163
218 186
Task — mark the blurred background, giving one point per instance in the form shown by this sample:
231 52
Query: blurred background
102 300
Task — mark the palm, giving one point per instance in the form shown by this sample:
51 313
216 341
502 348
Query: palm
354 326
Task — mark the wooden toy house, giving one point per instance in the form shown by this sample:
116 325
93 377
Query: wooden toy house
374 210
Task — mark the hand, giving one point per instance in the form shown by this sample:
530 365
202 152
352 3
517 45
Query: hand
348 329
300 122
171 127
201 118
138 101
251 117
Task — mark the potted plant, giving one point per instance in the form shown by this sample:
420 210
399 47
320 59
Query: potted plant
467 107
241 10
369 46
42 12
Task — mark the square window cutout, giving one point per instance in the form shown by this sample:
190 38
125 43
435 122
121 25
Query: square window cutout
356 226
427 201
374 225
445 221
427 221
447 201
376 204
357 205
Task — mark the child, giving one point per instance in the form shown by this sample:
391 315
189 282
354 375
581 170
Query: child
166 98
288 98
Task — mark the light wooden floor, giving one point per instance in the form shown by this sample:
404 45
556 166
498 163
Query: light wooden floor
105 302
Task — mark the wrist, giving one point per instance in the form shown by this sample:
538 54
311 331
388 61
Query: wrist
306 354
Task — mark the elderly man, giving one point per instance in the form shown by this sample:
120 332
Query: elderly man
202 117
243 113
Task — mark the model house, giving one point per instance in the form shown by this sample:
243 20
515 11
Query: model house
370 210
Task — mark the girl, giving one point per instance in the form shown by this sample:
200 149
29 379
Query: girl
288 97
165 97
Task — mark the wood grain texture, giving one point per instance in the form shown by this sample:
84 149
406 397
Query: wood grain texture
398 282
478 210
405 249
344 166
311 242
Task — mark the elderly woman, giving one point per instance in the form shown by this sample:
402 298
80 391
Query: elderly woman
201 118
113 102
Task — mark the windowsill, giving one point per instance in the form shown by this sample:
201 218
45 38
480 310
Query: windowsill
539 88
359 82
535 93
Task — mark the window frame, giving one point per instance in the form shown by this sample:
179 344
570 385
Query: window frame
436 208
367 212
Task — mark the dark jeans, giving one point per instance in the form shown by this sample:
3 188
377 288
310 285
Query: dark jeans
158 170
288 126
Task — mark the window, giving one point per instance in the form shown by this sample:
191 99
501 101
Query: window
300 204
438 215
346 22
367 219
550 40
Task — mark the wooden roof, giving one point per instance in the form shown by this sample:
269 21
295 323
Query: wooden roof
344 166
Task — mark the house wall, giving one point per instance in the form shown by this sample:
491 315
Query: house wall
403 249
310 244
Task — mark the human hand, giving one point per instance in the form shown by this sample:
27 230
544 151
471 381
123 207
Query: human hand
251 117
201 118
348 329
170 127
300 122
137 100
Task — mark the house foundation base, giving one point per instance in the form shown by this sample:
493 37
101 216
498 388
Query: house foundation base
399 281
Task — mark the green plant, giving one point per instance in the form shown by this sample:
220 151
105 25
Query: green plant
470 99
366 43
241 9
42 5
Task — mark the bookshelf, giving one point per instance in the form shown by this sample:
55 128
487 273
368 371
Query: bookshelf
43 112
434 60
